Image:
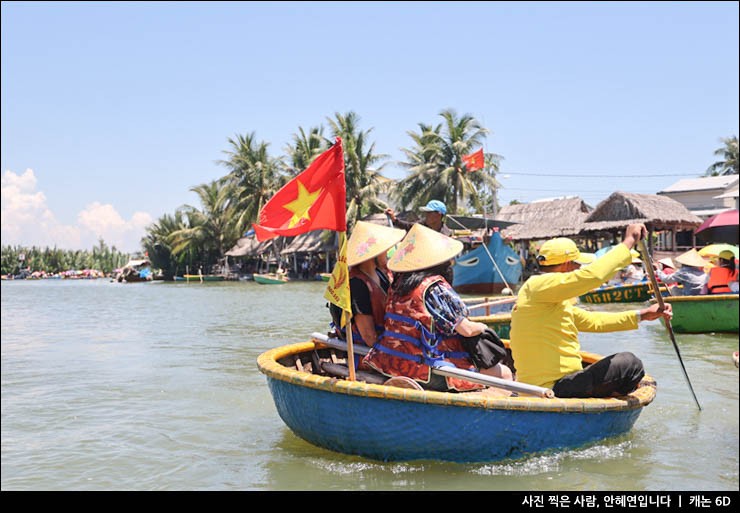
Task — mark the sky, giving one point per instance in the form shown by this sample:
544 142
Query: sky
112 111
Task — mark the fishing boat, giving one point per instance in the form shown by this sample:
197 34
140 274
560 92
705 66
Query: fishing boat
713 313
390 420
487 269
626 293
200 277
270 278
136 270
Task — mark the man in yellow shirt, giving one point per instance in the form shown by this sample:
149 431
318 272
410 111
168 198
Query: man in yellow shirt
545 322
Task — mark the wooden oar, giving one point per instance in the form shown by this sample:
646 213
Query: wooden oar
452 371
661 303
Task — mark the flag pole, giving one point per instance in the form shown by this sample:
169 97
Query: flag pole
350 350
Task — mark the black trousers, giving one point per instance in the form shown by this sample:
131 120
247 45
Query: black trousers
618 373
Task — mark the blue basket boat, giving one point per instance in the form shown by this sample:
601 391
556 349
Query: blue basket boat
391 423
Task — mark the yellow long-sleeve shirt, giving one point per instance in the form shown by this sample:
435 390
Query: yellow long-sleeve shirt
545 323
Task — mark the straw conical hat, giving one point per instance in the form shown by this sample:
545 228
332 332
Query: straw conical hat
369 240
422 248
691 258
667 262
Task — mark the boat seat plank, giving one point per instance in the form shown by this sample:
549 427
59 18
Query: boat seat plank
342 371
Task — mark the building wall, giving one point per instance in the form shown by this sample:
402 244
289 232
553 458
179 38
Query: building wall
701 200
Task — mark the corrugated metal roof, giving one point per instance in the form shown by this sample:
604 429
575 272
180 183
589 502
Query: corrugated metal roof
701 184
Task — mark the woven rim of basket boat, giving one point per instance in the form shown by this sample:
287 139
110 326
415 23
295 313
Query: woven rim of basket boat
268 365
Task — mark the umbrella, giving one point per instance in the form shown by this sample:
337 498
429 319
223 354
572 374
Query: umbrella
714 250
720 228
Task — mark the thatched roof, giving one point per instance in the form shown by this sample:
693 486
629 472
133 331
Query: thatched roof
544 219
657 212
249 246
316 241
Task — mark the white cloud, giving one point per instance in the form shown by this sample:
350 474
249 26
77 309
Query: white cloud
27 221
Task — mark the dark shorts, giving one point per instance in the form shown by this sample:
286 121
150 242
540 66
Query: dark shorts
616 374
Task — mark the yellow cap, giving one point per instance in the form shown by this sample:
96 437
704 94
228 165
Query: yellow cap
422 248
727 255
369 240
560 250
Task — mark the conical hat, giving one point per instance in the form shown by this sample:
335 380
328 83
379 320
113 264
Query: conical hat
667 262
422 248
369 240
691 258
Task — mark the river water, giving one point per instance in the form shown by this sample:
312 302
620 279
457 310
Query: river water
155 386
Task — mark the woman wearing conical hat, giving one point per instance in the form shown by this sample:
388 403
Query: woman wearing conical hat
366 258
426 321
691 275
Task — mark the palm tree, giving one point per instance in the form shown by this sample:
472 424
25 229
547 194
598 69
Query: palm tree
362 167
254 177
211 231
157 245
436 167
304 150
729 163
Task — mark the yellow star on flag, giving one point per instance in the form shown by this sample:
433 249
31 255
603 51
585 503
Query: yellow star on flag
302 204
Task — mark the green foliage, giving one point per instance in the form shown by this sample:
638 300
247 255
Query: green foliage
437 171
729 163
55 260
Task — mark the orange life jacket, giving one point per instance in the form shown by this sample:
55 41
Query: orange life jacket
719 278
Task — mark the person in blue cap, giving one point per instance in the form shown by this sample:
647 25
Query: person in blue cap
434 215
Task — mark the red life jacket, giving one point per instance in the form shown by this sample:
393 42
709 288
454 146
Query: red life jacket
719 277
377 302
409 344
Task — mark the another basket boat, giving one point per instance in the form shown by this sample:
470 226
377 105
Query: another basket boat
714 313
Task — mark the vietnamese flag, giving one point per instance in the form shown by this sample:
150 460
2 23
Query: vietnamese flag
474 161
313 200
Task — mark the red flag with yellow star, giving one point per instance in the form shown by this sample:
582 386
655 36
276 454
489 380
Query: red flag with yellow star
474 161
313 200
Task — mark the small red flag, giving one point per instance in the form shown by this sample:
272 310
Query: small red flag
474 161
313 200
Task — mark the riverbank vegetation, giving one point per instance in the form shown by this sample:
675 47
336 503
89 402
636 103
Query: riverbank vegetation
53 260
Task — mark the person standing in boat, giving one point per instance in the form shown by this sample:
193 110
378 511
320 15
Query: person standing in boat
366 258
426 320
434 218
691 275
545 322
723 277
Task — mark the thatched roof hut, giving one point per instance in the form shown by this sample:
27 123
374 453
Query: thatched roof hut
250 247
657 212
544 219
315 241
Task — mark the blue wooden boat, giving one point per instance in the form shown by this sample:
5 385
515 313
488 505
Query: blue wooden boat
475 273
396 423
